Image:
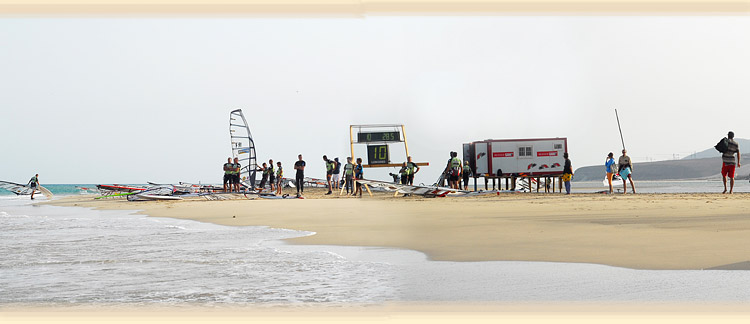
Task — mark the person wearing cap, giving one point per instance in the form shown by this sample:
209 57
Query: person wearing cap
625 168
728 164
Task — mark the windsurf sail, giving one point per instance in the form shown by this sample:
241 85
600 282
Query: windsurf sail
16 188
243 147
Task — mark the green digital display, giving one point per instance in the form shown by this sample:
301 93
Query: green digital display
378 154
394 136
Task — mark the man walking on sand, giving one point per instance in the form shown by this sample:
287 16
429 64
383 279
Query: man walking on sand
626 171
728 165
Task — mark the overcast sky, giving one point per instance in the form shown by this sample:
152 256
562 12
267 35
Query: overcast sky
130 100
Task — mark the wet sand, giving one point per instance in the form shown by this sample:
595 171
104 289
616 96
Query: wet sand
643 231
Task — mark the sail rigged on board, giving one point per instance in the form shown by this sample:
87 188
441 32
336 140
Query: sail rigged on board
243 147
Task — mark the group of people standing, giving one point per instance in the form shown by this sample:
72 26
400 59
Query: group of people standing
232 175
351 172
273 177
455 172
407 171
624 169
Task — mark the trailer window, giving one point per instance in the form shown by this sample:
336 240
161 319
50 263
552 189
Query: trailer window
558 146
524 151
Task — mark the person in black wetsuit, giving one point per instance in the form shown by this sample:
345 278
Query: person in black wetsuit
335 179
33 184
300 177
228 174
359 174
349 175
264 178
329 172
271 175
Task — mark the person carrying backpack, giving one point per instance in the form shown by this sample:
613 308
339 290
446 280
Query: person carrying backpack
728 162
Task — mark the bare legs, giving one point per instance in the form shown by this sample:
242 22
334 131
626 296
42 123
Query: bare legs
625 184
731 184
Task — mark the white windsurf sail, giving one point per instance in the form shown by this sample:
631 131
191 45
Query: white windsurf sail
428 191
16 188
243 147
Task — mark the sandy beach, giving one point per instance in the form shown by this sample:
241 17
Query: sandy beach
643 231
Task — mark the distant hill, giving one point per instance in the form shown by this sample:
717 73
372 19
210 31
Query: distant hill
670 170
712 152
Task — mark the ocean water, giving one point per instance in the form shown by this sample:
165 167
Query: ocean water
77 257
73 256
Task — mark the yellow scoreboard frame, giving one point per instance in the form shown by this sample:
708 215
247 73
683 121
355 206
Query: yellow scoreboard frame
377 143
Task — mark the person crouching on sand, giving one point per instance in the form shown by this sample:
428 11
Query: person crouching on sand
279 178
727 159
609 164
626 171
567 173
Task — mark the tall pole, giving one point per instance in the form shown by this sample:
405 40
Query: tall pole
618 127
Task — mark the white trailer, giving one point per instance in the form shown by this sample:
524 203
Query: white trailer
536 157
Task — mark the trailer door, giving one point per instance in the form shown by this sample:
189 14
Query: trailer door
481 158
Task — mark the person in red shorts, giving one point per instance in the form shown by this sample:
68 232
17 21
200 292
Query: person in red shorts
728 164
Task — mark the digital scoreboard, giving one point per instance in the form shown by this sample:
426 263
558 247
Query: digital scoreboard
394 136
378 154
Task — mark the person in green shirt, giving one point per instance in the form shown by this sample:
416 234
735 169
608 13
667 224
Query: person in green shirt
465 174
279 178
228 174
411 169
348 175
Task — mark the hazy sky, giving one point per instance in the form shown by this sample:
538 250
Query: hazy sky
130 100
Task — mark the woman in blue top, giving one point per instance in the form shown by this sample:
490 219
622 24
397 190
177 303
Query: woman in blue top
610 165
